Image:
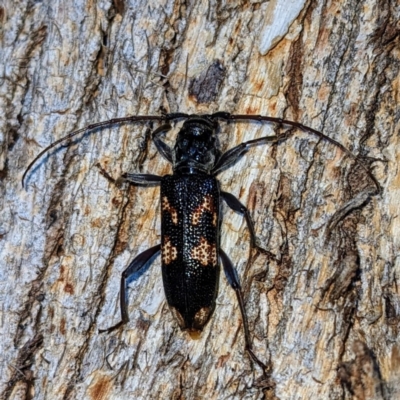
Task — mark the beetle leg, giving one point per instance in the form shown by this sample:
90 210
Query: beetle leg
162 147
237 206
138 179
135 266
141 179
233 280
233 155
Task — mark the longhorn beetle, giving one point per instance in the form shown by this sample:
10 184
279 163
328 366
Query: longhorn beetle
191 215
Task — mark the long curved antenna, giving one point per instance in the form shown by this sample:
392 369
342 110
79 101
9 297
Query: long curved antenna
88 128
245 117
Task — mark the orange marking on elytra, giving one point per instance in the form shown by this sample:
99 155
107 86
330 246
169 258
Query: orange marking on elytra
165 206
206 205
205 252
169 252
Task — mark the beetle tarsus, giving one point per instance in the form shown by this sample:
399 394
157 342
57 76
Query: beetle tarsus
112 328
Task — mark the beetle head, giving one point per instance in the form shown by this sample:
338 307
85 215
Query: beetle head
196 146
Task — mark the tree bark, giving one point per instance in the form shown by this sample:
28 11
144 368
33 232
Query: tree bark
323 304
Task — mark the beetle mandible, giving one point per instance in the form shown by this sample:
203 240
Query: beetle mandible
190 214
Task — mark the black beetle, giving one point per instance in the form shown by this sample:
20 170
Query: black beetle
191 215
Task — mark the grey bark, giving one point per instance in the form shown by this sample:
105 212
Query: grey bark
324 310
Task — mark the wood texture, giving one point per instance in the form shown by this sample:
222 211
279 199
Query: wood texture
325 311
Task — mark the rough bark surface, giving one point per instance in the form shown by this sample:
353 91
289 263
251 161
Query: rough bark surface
325 310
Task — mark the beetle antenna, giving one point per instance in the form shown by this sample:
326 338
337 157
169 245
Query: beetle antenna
245 117
89 128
